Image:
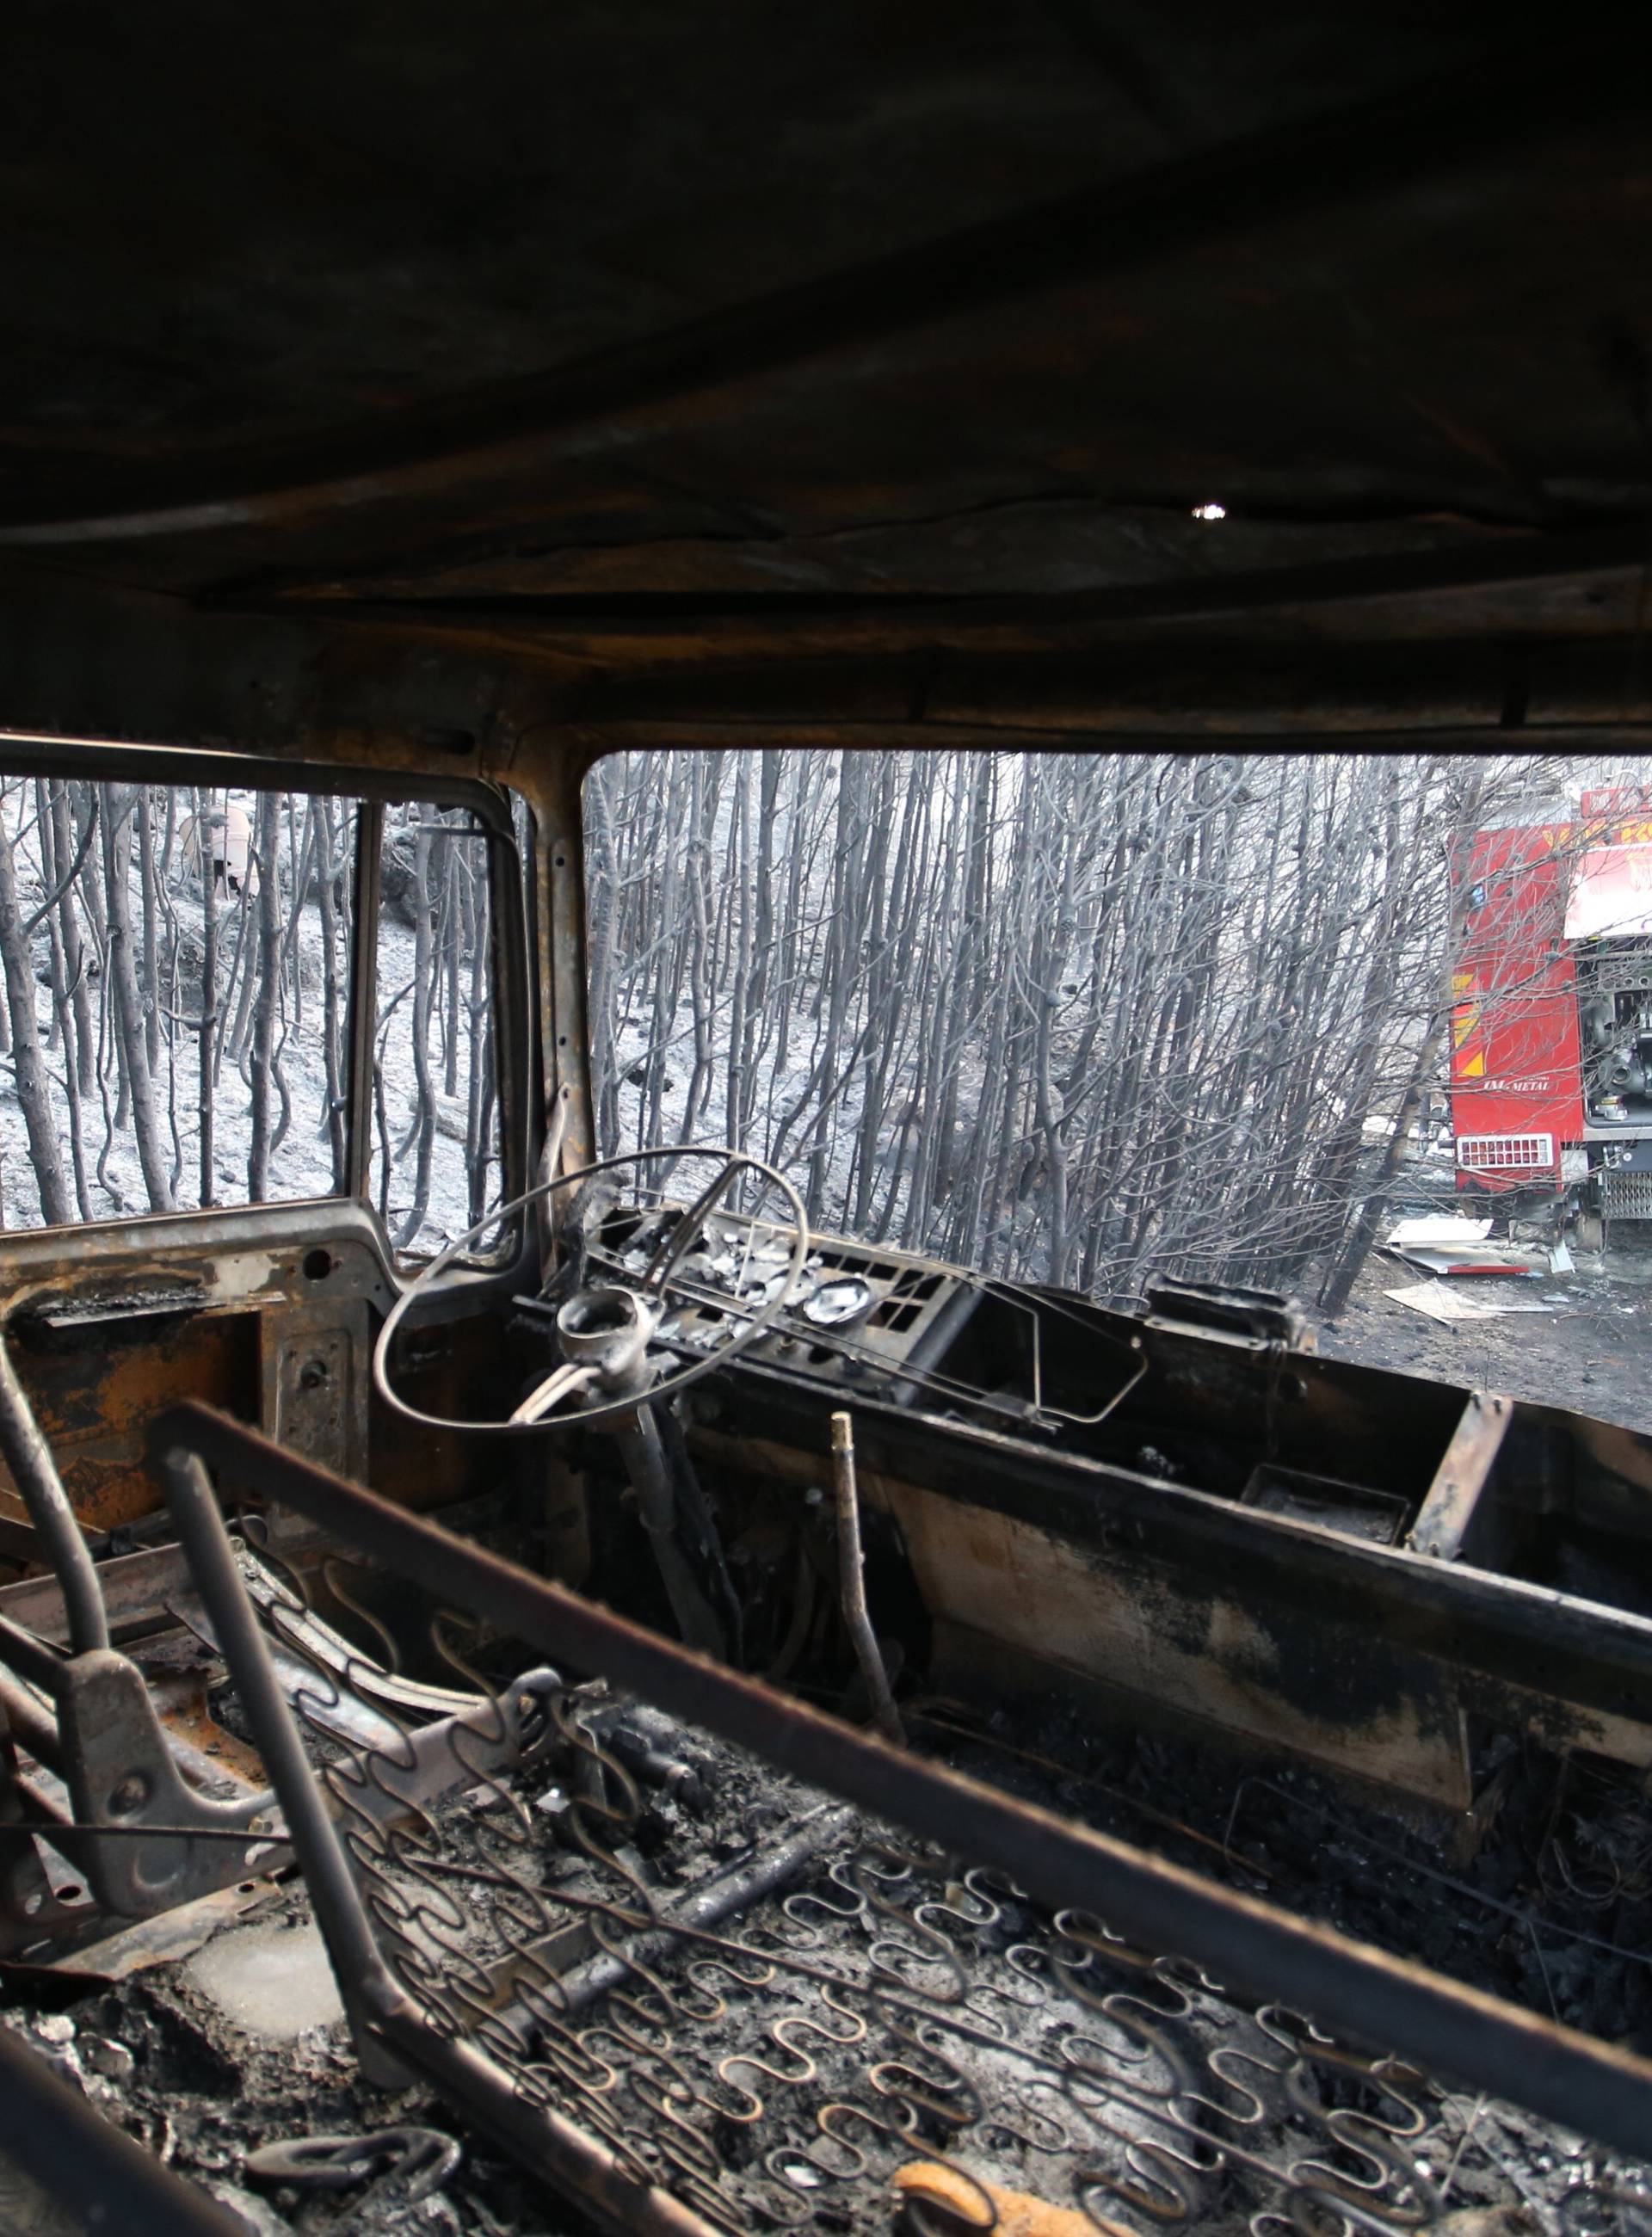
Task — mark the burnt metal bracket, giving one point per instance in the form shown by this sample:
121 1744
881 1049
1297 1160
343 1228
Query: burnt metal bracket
137 1830
144 1839
1216 1309
1443 2026
122 1778
431 1763
1451 1501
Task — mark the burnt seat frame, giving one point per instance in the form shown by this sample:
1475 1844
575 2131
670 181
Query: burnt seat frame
1476 2040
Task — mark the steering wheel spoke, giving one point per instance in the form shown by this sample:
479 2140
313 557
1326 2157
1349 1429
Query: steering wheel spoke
564 1380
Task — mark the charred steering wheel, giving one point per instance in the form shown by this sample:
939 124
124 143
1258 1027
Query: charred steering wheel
652 1283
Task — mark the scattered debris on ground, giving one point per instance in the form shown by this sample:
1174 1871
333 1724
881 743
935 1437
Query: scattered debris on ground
1590 1352
1441 1303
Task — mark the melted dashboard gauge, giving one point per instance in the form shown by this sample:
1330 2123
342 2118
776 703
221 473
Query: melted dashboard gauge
834 1304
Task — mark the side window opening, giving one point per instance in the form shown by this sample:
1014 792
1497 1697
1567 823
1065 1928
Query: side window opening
177 972
175 1030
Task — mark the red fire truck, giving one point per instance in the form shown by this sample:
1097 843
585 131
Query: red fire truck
1551 1028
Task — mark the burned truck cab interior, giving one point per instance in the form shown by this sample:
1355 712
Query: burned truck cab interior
755 787
564 1643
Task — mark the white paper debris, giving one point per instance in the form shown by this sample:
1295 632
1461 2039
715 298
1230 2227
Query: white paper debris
1440 1227
1441 1304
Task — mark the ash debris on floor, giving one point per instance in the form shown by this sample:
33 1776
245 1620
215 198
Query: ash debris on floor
1543 1896
793 2054
162 2059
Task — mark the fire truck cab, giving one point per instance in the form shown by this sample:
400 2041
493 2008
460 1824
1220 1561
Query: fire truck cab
1551 1056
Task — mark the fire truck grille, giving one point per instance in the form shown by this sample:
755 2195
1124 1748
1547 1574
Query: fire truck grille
1505 1153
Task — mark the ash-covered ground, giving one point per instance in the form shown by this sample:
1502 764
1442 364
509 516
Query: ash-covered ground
1592 1352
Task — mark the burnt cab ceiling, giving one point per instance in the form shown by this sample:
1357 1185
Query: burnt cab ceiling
1089 361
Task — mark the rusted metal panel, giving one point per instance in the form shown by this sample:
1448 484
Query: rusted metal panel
112 1325
1622 1455
315 1380
1332 1693
1448 1509
451 1368
1576 1674
95 1390
205 1748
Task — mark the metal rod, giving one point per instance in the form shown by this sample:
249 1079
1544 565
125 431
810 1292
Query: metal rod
1391 2002
31 1657
30 1725
382 2015
851 1583
643 1451
100 2176
366 873
351 1947
733 1890
35 1472
49 1817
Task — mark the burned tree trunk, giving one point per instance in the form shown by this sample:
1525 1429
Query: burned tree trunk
423 1128
60 875
68 849
34 1084
206 1055
327 872
268 969
129 1015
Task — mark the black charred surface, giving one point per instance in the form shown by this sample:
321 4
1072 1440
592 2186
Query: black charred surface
607 324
